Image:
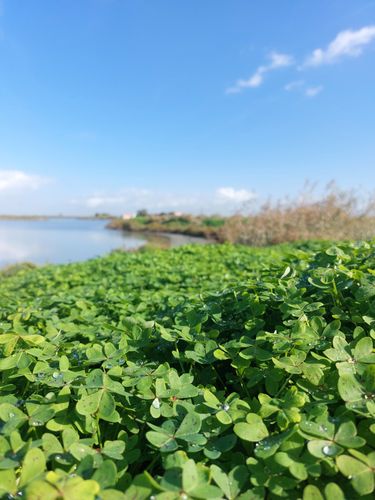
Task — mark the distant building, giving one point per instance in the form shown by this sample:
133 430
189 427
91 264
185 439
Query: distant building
177 214
128 216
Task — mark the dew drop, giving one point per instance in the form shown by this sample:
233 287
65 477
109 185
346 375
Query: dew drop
121 361
334 420
329 450
11 415
225 407
156 403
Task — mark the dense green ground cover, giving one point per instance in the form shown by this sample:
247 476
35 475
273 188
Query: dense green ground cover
199 372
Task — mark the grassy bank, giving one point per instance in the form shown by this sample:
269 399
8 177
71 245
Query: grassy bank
199 372
206 227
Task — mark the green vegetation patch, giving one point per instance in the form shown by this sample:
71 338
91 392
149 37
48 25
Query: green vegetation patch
213 372
207 227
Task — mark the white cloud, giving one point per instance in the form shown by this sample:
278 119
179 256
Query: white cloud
277 60
122 198
301 87
294 85
231 194
16 179
313 91
347 43
253 81
223 199
100 201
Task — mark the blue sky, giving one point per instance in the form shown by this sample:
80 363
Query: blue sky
113 105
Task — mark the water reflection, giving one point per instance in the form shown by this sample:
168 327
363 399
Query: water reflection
59 240
69 240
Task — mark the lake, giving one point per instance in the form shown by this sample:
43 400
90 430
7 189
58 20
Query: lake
60 240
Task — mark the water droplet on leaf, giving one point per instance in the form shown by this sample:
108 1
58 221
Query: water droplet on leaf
329 450
156 403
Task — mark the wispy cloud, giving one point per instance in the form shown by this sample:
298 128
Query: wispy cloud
302 87
347 43
296 84
313 91
16 179
223 199
100 201
123 197
277 60
133 198
231 194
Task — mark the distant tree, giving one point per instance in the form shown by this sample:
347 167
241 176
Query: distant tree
142 213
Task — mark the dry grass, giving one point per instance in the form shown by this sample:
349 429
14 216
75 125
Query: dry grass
13 269
338 215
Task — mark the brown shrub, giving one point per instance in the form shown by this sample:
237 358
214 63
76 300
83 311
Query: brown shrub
338 215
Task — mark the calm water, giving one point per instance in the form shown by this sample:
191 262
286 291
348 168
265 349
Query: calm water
68 240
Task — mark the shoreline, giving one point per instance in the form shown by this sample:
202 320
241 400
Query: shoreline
124 241
175 239
150 232
48 217
193 229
